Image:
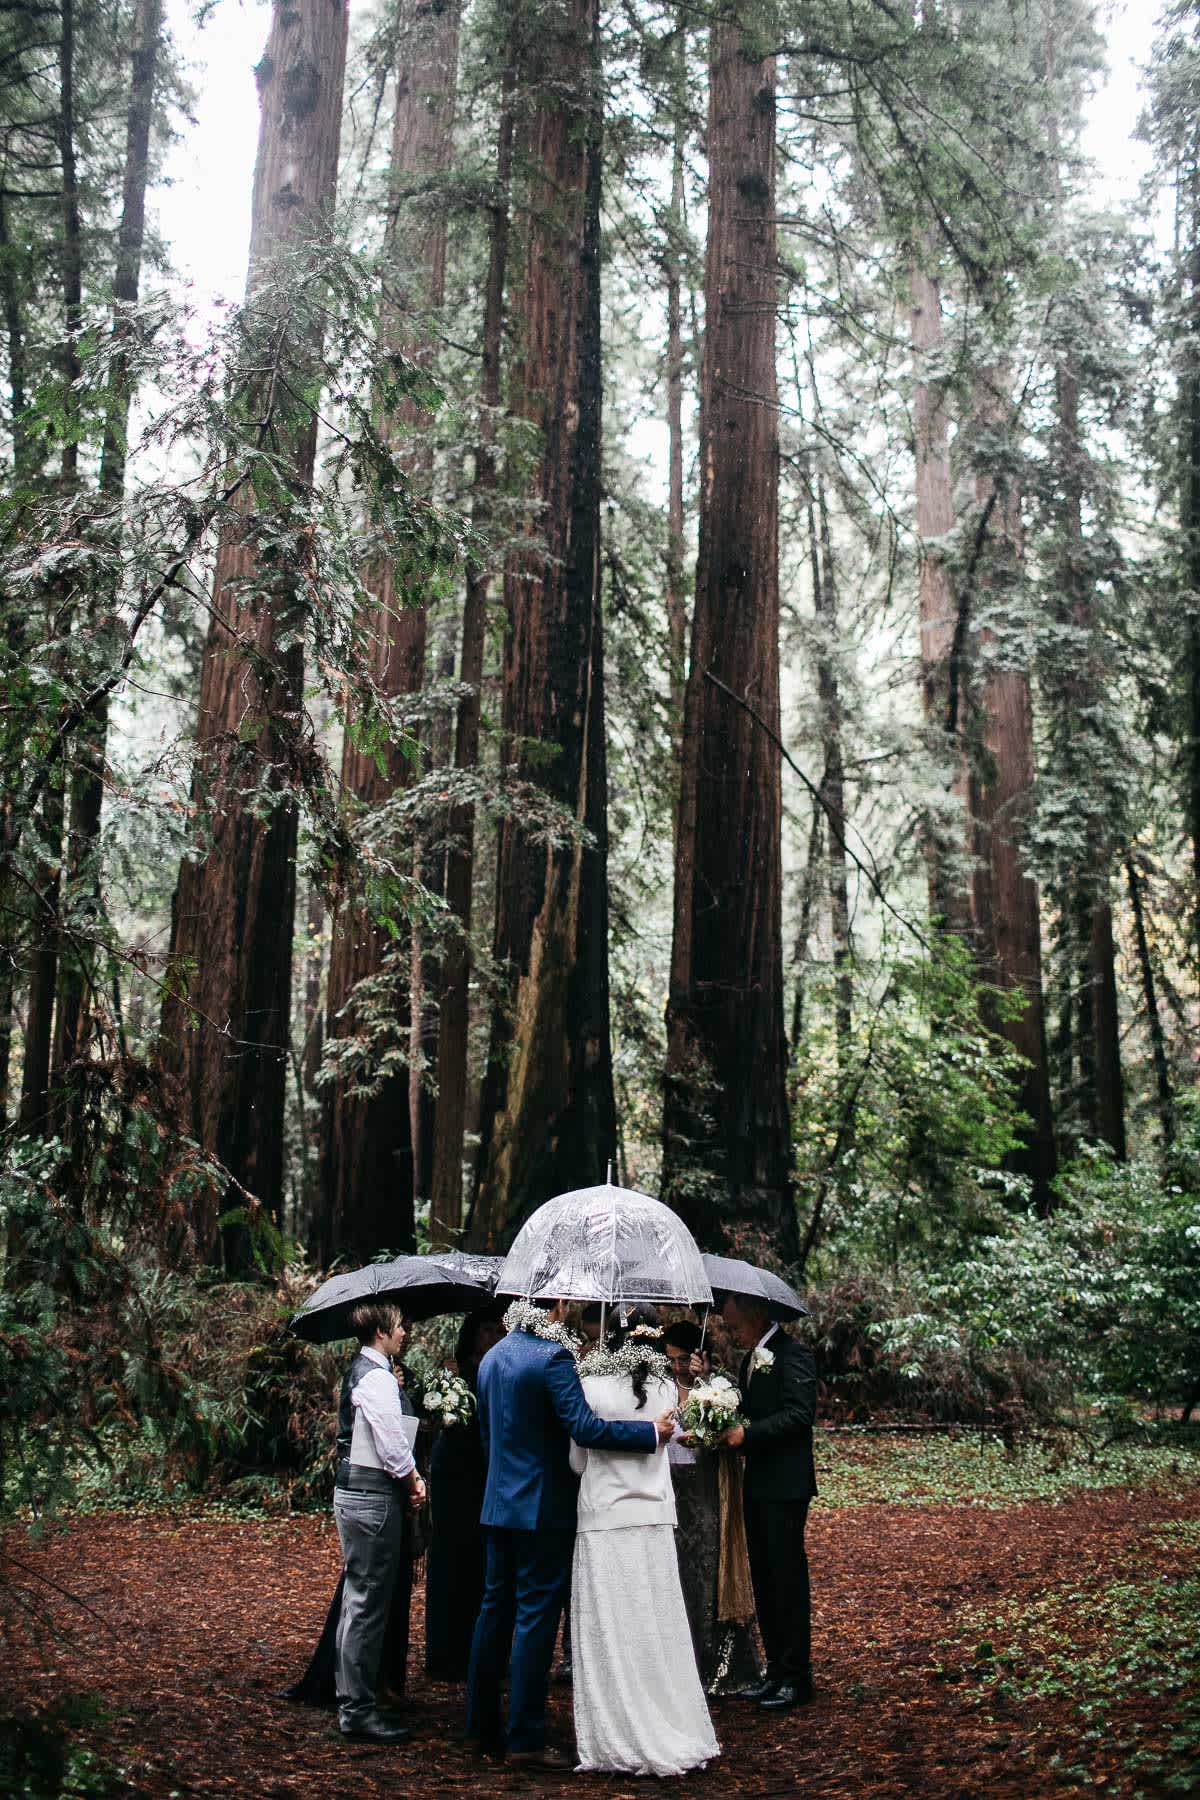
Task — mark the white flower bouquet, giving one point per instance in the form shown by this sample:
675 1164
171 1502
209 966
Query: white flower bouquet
711 1408
449 1398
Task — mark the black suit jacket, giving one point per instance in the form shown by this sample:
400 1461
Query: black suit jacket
780 1404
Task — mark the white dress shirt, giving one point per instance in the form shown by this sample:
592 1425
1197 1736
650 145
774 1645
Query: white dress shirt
376 1400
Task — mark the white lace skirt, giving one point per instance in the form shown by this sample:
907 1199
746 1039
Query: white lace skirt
639 1706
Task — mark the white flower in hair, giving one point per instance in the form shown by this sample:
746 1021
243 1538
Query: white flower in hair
762 1359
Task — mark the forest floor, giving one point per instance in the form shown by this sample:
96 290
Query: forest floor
983 1626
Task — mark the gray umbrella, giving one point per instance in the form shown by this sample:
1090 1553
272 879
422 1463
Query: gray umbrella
449 1282
729 1275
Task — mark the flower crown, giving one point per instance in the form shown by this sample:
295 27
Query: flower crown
646 1331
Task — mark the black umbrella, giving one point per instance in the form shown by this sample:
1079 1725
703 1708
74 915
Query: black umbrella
729 1275
449 1282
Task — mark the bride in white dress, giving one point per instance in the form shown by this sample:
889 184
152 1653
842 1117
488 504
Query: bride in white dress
639 1705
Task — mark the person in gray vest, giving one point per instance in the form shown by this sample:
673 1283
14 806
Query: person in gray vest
376 1478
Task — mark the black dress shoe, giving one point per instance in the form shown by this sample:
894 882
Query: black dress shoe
761 1690
787 1695
375 1729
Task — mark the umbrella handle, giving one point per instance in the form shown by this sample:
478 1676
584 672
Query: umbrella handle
704 1326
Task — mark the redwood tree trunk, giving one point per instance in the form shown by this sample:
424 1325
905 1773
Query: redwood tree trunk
942 646
726 1139
1007 911
833 780
87 783
454 1003
548 1117
1097 1035
1190 513
676 548
47 920
234 908
368 1183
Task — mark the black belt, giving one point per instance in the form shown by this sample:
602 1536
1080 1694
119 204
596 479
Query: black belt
362 1476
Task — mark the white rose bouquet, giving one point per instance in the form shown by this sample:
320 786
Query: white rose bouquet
449 1398
711 1408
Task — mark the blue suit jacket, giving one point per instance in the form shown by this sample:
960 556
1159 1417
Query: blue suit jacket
531 1405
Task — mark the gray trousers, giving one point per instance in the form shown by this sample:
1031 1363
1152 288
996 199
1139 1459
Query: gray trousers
371 1529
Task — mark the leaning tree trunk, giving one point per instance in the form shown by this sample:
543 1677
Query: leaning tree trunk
548 1117
235 908
1007 917
726 1139
445 1219
87 783
367 1167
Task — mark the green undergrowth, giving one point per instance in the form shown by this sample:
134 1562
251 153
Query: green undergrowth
1124 1656
971 1469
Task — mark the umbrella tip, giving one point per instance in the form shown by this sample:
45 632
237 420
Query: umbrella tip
608 1174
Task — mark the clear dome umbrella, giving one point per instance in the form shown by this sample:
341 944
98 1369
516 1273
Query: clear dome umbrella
609 1244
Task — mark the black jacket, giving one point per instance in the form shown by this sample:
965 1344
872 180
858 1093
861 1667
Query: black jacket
780 1404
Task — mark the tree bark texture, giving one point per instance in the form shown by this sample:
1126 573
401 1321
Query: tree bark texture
726 1139
235 904
548 1117
1007 917
446 1210
943 675
368 1184
1164 1095
1098 1031
47 920
87 782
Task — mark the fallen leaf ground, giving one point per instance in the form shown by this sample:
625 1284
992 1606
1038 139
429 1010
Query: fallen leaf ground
936 1628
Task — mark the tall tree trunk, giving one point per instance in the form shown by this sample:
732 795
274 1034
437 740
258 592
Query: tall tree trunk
1190 512
47 922
1006 911
234 912
676 547
1164 1097
726 1138
87 781
368 1170
942 671
1097 1035
808 898
14 328
454 1006
548 1116
833 780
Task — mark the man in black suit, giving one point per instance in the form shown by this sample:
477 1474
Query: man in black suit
778 1380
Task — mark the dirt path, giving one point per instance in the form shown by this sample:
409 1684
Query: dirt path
196 1623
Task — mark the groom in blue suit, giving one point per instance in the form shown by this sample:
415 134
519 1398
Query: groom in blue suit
531 1405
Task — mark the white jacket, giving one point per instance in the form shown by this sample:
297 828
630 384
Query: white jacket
623 1487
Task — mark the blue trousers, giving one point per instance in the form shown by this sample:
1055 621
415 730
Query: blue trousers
525 1587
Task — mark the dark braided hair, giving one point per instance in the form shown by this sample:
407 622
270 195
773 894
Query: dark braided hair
620 1334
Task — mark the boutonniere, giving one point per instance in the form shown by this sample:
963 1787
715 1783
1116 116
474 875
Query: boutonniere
762 1359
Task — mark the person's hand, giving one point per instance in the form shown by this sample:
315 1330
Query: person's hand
698 1364
416 1494
688 1439
733 1438
665 1425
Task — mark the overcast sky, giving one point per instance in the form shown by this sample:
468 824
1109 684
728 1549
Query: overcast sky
205 213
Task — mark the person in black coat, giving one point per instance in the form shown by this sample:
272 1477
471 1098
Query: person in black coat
778 1380
454 1565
